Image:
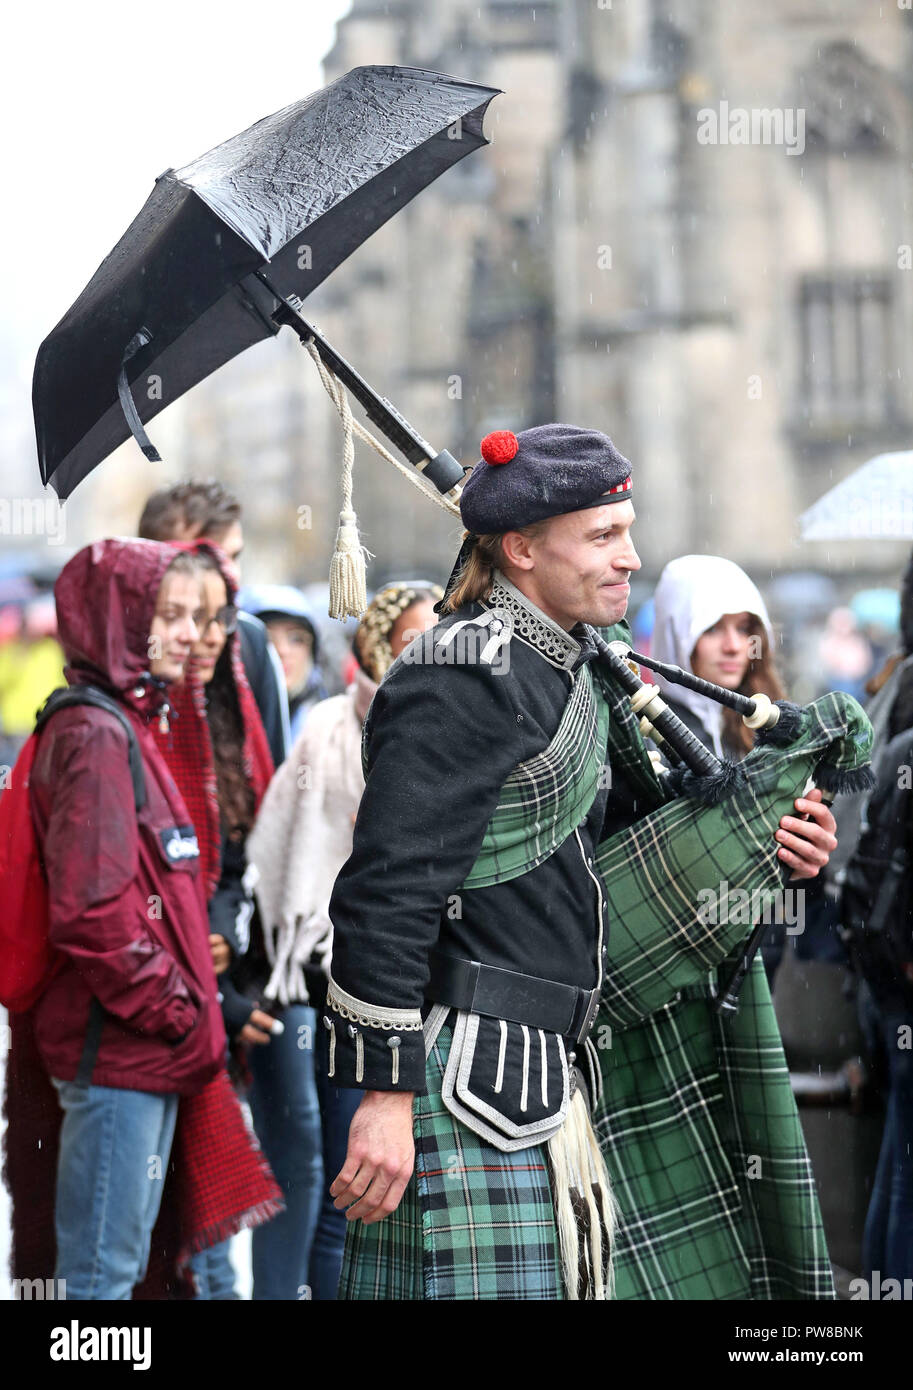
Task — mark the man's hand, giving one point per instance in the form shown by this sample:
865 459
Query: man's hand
258 1027
380 1157
221 953
806 845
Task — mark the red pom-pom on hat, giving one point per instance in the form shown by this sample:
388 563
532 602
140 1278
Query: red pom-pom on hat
500 446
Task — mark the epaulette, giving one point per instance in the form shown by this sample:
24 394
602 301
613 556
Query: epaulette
497 619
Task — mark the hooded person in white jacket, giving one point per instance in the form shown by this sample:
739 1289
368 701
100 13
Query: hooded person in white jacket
711 619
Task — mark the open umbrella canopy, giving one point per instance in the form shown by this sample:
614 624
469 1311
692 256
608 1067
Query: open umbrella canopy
874 502
221 243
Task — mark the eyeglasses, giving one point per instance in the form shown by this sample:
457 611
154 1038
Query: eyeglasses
226 617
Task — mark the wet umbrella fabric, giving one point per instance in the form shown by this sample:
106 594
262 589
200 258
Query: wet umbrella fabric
292 196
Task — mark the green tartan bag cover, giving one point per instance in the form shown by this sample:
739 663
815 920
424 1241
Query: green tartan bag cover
677 880
697 1121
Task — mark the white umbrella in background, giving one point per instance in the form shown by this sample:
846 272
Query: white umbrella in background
875 502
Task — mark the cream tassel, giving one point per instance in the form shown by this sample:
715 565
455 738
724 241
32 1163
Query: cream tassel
348 588
348 580
579 1177
450 502
348 591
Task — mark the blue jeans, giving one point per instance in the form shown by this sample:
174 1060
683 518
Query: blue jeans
114 1151
888 1240
286 1115
337 1106
214 1273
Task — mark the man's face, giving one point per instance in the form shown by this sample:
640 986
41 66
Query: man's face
577 570
230 541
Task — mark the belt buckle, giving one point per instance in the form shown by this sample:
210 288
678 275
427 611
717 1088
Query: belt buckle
588 1018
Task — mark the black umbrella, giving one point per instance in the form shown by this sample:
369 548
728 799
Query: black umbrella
226 249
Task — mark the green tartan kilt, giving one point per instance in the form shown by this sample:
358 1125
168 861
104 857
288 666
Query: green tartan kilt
700 1134
474 1223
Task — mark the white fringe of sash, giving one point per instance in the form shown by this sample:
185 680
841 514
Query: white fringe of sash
580 1180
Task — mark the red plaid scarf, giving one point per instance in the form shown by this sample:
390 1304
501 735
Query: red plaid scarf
187 746
218 1181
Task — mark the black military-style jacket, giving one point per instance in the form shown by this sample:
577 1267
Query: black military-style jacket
444 732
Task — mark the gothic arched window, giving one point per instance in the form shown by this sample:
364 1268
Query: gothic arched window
842 94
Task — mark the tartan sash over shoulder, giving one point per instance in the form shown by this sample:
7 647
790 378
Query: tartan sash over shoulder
548 795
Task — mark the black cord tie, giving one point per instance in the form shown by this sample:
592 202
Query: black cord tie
127 403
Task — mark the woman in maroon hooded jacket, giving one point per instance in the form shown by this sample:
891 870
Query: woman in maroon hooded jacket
130 1021
218 753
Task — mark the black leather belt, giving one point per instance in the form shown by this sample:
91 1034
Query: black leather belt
486 989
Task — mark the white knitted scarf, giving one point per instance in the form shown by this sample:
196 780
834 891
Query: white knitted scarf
303 836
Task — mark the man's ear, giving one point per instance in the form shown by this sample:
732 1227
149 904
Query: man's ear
516 551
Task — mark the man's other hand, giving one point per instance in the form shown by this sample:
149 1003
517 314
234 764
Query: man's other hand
380 1157
806 845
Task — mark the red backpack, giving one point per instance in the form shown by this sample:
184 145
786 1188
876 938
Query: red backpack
27 960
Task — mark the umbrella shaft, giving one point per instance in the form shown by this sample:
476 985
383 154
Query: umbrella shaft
441 469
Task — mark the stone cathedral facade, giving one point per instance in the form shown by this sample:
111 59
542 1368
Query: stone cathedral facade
693 229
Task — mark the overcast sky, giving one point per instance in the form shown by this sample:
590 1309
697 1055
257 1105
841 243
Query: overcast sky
97 99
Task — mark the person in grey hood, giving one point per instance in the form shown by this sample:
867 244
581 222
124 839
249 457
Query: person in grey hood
292 629
711 619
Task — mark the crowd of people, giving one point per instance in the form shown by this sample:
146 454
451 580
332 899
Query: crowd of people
235 705
191 938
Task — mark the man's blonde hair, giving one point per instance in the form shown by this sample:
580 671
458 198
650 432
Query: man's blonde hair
486 556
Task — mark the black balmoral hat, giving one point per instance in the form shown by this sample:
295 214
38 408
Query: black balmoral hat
541 472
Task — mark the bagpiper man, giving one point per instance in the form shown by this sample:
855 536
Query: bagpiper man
470 920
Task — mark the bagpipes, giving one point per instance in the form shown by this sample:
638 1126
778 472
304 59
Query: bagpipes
686 881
